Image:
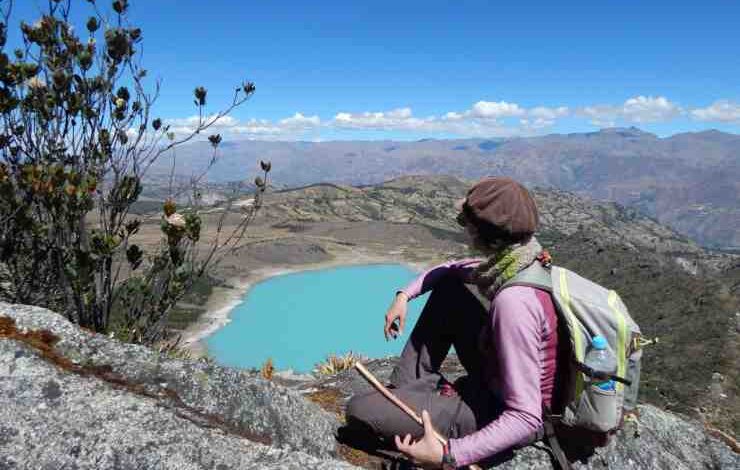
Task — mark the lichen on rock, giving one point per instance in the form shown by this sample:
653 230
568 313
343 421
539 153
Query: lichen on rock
118 405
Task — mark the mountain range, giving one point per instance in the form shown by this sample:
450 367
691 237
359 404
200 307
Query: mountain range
689 181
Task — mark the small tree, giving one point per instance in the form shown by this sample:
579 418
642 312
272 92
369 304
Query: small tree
78 137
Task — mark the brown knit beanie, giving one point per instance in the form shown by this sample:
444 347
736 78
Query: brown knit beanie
501 209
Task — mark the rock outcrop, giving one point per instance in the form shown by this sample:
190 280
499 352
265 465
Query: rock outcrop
73 399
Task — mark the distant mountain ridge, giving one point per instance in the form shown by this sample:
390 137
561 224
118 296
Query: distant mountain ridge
428 200
690 181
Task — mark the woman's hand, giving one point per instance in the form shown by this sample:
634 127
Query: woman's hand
427 451
397 311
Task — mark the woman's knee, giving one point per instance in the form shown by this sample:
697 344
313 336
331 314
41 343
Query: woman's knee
358 409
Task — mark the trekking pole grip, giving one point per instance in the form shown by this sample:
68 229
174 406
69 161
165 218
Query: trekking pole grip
403 406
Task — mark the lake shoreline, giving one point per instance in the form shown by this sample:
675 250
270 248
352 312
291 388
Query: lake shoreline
223 300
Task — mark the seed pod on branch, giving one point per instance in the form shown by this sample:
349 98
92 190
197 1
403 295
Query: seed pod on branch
92 24
132 226
259 182
214 139
85 59
176 220
135 34
120 6
200 96
266 166
118 44
129 188
169 207
123 93
134 256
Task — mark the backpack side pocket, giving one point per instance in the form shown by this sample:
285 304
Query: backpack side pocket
597 409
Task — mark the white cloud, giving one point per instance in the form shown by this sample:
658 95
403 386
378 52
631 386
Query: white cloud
470 123
300 121
536 123
601 115
719 111
481 119
640 109
256 127
453 116
542 117
495 110
292 127
192 121
542 112
395 119
400 113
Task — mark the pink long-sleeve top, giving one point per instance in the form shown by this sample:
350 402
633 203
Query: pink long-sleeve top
521 345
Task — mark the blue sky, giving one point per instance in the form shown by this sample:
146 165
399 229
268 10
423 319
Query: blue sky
413 69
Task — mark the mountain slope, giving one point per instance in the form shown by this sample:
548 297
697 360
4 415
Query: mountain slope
428 200
689 181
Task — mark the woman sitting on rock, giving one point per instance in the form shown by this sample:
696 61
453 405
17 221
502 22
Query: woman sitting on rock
506 340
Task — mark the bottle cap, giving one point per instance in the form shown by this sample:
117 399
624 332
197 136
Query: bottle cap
599 342
606 386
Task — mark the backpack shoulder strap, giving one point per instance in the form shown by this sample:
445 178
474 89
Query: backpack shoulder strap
556 450
535 275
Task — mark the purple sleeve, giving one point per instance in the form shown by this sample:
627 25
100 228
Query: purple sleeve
517 334
426 280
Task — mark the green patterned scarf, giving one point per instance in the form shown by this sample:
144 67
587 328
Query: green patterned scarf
503 265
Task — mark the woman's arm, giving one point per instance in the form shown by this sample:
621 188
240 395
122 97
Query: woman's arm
517 335
423 283
426 280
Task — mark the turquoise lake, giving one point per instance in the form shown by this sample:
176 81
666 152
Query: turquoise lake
299 319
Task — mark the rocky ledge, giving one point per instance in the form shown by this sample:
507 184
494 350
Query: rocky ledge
73 399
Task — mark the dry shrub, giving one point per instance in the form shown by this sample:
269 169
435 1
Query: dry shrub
335 364
268 369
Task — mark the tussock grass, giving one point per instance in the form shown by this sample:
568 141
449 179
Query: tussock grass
335 364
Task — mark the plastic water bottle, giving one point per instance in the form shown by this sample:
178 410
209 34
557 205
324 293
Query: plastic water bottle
600 359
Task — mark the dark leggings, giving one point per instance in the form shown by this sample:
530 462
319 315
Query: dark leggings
453 316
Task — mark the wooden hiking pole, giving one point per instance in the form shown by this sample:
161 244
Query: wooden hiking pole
396 401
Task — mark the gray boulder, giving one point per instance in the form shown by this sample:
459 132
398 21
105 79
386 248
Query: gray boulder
73 399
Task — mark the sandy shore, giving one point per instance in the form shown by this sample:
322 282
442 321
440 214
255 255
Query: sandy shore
224 299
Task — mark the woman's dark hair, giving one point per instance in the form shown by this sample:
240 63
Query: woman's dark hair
488 232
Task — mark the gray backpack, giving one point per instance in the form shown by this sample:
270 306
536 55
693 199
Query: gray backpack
586 309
